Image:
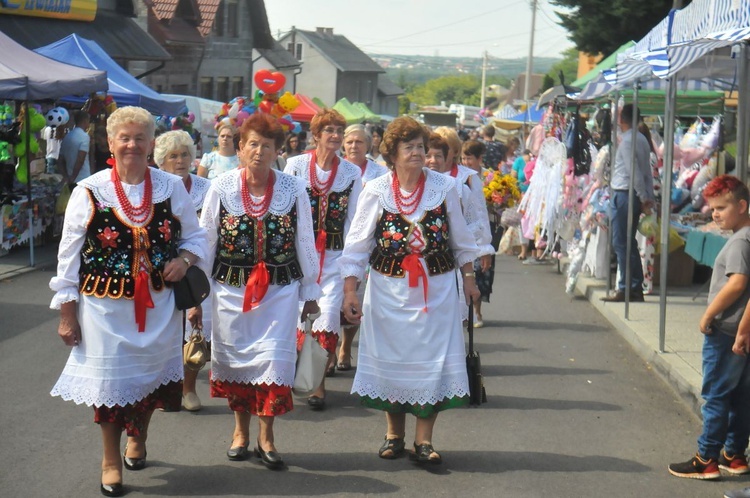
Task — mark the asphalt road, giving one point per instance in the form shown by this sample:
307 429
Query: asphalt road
572 412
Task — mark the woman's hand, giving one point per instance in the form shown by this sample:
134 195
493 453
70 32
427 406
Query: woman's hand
471 291
352 307
485 262
69 329
309 308
195 317
175 270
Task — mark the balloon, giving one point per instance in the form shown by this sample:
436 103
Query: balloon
297 128
258 97
22 170
191 117
233 110
265 106
269 82
241 117
288 102
277 111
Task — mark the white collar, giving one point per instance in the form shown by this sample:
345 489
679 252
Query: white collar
198 188
286 188
100 184
435 188
347 172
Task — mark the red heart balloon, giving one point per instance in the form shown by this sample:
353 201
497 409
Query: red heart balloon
269 82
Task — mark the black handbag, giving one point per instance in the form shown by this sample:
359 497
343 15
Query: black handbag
477 394
193 289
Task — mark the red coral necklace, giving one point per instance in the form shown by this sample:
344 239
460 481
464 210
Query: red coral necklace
252 208
137 214
407 204
322 188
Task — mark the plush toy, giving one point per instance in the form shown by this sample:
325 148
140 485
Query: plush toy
5 156
6 115
22 170
57 116
20 147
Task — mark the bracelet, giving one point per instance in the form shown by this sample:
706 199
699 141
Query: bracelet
469 274
187 261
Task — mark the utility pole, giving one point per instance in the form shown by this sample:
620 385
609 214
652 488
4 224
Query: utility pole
530 61
484 80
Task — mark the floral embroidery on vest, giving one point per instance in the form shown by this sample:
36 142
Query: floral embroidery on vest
393 231
113 249
333 217
241 246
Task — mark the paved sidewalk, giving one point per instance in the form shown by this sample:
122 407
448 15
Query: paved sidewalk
17 261
680 363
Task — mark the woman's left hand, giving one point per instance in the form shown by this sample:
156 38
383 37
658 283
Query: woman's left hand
471 291
175 270
485 262
309 308
195 317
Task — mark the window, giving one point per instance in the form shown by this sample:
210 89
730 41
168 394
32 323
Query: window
180 89
236 87
222 89
219 20
233 18
296 53
207 88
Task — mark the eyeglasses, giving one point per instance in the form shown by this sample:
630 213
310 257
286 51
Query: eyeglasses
330 130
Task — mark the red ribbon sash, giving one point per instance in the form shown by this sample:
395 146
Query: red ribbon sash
142 300
256 287
320 246
415 270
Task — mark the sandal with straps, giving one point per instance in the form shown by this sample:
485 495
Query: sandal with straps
395 446
423 454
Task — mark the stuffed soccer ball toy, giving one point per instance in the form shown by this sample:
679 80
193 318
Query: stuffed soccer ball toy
57 116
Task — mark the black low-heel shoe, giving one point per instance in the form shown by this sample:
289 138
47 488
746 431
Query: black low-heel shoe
133 463
316 403
270 459
112 489
238 453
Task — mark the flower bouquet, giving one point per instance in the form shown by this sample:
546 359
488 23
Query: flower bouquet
500 191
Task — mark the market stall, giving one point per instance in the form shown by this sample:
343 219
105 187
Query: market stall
26 76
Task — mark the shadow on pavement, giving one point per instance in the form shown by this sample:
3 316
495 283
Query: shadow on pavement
519 370
547 326
519 403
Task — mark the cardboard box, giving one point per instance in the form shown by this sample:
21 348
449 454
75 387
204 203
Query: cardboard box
680 269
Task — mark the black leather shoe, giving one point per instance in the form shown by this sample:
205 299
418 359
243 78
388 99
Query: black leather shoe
423 454
619 297
270 459
134 463
316 403
238 453
112 489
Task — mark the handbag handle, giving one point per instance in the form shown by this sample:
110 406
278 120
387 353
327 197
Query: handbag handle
470 325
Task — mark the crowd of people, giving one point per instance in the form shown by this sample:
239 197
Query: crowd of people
355 228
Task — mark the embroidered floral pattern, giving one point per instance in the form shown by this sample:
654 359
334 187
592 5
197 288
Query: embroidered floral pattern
133 417
166 231
108 238
333 219
265 400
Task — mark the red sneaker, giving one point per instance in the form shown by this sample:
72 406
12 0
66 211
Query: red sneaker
697 468
734 464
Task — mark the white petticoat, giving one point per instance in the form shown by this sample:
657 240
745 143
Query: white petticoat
115 364
259 346
407 355
332 296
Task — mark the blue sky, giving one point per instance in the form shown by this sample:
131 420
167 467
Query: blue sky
428 27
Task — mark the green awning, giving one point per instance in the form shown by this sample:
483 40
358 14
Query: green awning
607 63
319 103
367 112
349 111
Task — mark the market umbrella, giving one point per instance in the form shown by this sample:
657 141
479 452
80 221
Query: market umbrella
556 91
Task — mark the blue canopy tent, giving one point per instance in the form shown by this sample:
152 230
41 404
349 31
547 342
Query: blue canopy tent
123 87
531 115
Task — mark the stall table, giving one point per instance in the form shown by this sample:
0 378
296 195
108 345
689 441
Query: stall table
703 247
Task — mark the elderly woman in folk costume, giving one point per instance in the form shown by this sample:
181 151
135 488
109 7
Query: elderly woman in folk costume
333 185
174 153
357 143
263 263
409 227
112 289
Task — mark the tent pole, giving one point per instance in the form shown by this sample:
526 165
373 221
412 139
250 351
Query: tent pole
666 196
631 198
30 204
743 108
612 156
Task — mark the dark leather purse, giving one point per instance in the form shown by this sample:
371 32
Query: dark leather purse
192 290
477 394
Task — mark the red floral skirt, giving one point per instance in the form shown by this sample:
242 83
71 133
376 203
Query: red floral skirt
133 417
326 339
258 399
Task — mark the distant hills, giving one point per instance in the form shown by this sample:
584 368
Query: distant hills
413 68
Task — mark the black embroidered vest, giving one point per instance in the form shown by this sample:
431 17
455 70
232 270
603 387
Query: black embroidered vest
335 216
392 232
243 241
111 248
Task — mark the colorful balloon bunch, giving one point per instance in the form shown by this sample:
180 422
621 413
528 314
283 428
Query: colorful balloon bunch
182 122
266 100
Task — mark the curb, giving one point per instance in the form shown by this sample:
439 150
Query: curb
673 370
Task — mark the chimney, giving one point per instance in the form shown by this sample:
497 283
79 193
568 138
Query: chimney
325 31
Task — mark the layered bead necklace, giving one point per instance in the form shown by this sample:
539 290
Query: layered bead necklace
407 204
136 214
322 188
252 208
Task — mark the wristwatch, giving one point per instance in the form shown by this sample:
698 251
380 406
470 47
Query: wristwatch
187 261
469 274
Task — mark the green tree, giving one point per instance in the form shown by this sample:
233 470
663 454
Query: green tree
602 26
568 66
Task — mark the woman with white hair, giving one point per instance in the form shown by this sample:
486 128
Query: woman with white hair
117 310
174 153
